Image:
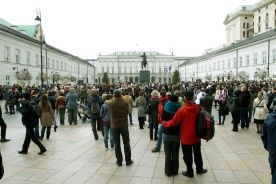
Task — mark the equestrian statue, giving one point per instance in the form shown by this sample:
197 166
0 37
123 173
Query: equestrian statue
144 62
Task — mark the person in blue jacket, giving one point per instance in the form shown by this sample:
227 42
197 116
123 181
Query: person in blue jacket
269 139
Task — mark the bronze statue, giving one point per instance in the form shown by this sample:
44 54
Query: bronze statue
144 62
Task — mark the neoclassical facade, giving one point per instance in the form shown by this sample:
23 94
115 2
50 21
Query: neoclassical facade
125 66
250 20
20 59
251 59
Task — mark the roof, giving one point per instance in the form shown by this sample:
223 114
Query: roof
252 40
6 27
29 30
245 10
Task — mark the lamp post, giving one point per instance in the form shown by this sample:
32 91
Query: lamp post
38 18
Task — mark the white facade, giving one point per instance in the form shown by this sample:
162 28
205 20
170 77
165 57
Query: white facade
125 66
264 16
19 53
239 25
250 20
247 57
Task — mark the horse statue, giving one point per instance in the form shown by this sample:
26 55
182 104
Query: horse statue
144 62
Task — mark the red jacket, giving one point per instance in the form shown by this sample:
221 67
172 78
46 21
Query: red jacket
160 108
186 117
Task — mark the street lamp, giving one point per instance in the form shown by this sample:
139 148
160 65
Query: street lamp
38 18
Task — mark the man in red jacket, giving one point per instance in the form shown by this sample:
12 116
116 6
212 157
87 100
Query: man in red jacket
186 118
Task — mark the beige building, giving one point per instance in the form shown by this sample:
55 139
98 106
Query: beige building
250 20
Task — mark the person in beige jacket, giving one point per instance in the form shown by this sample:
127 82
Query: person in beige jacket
260 110
46 116
128 99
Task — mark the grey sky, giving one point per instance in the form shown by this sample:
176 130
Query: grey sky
87 27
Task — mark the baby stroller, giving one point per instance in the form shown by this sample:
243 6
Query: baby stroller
83 112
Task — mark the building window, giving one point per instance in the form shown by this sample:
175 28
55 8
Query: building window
61 65
247 60
214 66
28 58
125 70
255 58
218 65
264 57
48 62
107 70
241 61
65 69
6 53
112 70
8 78
17 56
119 69
274 55
37 60
247 26
58 65
243 33
102 69
243 25
235 62
245 17
53 64
229 63
259 28
160 70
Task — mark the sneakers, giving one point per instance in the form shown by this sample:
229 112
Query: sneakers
106 149
55 128
155 150
4 140
129 163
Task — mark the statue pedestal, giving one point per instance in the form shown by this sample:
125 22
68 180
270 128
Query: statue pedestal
144 76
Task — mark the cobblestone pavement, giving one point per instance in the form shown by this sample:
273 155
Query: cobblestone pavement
74 157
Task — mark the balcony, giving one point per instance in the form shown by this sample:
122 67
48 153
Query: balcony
250 27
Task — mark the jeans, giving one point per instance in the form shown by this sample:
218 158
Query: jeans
188 156
6 107
236 119
96 124
130 118
244 117
125 136
48 132
106 132
223 119
250 112
159 136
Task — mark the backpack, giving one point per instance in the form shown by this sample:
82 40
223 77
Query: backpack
33 115
95 107
205 125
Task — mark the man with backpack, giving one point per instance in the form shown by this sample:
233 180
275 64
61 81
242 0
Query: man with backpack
186 118
30 119
94 104
72 106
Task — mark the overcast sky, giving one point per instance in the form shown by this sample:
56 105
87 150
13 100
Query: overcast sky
86 28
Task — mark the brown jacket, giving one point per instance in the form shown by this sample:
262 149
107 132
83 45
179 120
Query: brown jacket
128 99
119 112
60 102
47 116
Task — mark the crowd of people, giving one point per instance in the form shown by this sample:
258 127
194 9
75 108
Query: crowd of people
171 112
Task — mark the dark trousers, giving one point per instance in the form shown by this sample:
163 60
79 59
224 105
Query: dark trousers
141 122
30 135
116 138
3 128
236 119
61 112
153 126
171 149
188 156
96 124
48 132
130 118
244 117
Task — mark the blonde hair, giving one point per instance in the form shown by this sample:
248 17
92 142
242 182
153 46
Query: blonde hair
260 95
155 93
